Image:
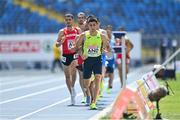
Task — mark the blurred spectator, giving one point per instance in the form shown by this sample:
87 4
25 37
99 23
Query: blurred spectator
57 59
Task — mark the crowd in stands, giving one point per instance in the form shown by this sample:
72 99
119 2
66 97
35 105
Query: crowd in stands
147 16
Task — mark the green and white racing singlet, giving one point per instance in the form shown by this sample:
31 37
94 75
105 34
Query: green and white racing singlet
92 45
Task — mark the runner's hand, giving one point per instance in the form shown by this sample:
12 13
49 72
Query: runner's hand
84 56
58 44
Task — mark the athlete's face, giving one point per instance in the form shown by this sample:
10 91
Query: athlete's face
69 21
109 30
98 25
92 26
81 19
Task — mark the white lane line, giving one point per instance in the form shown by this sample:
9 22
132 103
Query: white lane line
103 112
33 94
29 85
2 79
46 107
26 79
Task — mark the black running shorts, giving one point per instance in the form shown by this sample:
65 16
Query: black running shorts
92 65
68 58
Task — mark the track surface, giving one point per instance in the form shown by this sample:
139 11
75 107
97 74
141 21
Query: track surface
41 95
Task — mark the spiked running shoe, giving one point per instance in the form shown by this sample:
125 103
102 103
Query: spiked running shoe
93 106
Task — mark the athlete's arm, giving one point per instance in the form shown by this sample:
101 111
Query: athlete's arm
104 32
60 38
79 42
79 30
105 43
76 40
79 45
129 45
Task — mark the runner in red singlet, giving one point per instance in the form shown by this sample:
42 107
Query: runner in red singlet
67 38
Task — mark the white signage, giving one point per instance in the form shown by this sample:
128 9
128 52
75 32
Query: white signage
27 47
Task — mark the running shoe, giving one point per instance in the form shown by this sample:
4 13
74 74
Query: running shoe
108 90
93 106
73 100
102 85
83 100
100 94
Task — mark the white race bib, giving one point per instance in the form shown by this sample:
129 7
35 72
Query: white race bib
75 56
70 44
93 50
63 59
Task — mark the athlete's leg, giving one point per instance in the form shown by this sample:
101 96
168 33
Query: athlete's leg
81 81
119 66
97 86
102 80
87 72
127 69
67 72
73 71
120 72
111 78
87 90
92 87
86 86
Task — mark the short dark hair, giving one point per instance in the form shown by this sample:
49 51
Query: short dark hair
81 13
108 26
92 19
69 15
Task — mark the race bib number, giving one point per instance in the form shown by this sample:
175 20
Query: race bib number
93 50
70 44
75 56
63 59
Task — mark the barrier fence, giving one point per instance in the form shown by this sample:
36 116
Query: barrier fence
134 97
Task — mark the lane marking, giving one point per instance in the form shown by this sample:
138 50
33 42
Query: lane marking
5 78
49 106
29 85
25 79
33 94
46 107
104 112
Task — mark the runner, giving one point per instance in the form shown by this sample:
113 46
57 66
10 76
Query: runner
66 38
104 63
110 59
94 43
129 47
81 18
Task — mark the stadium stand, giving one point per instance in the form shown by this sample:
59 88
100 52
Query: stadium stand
147 16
